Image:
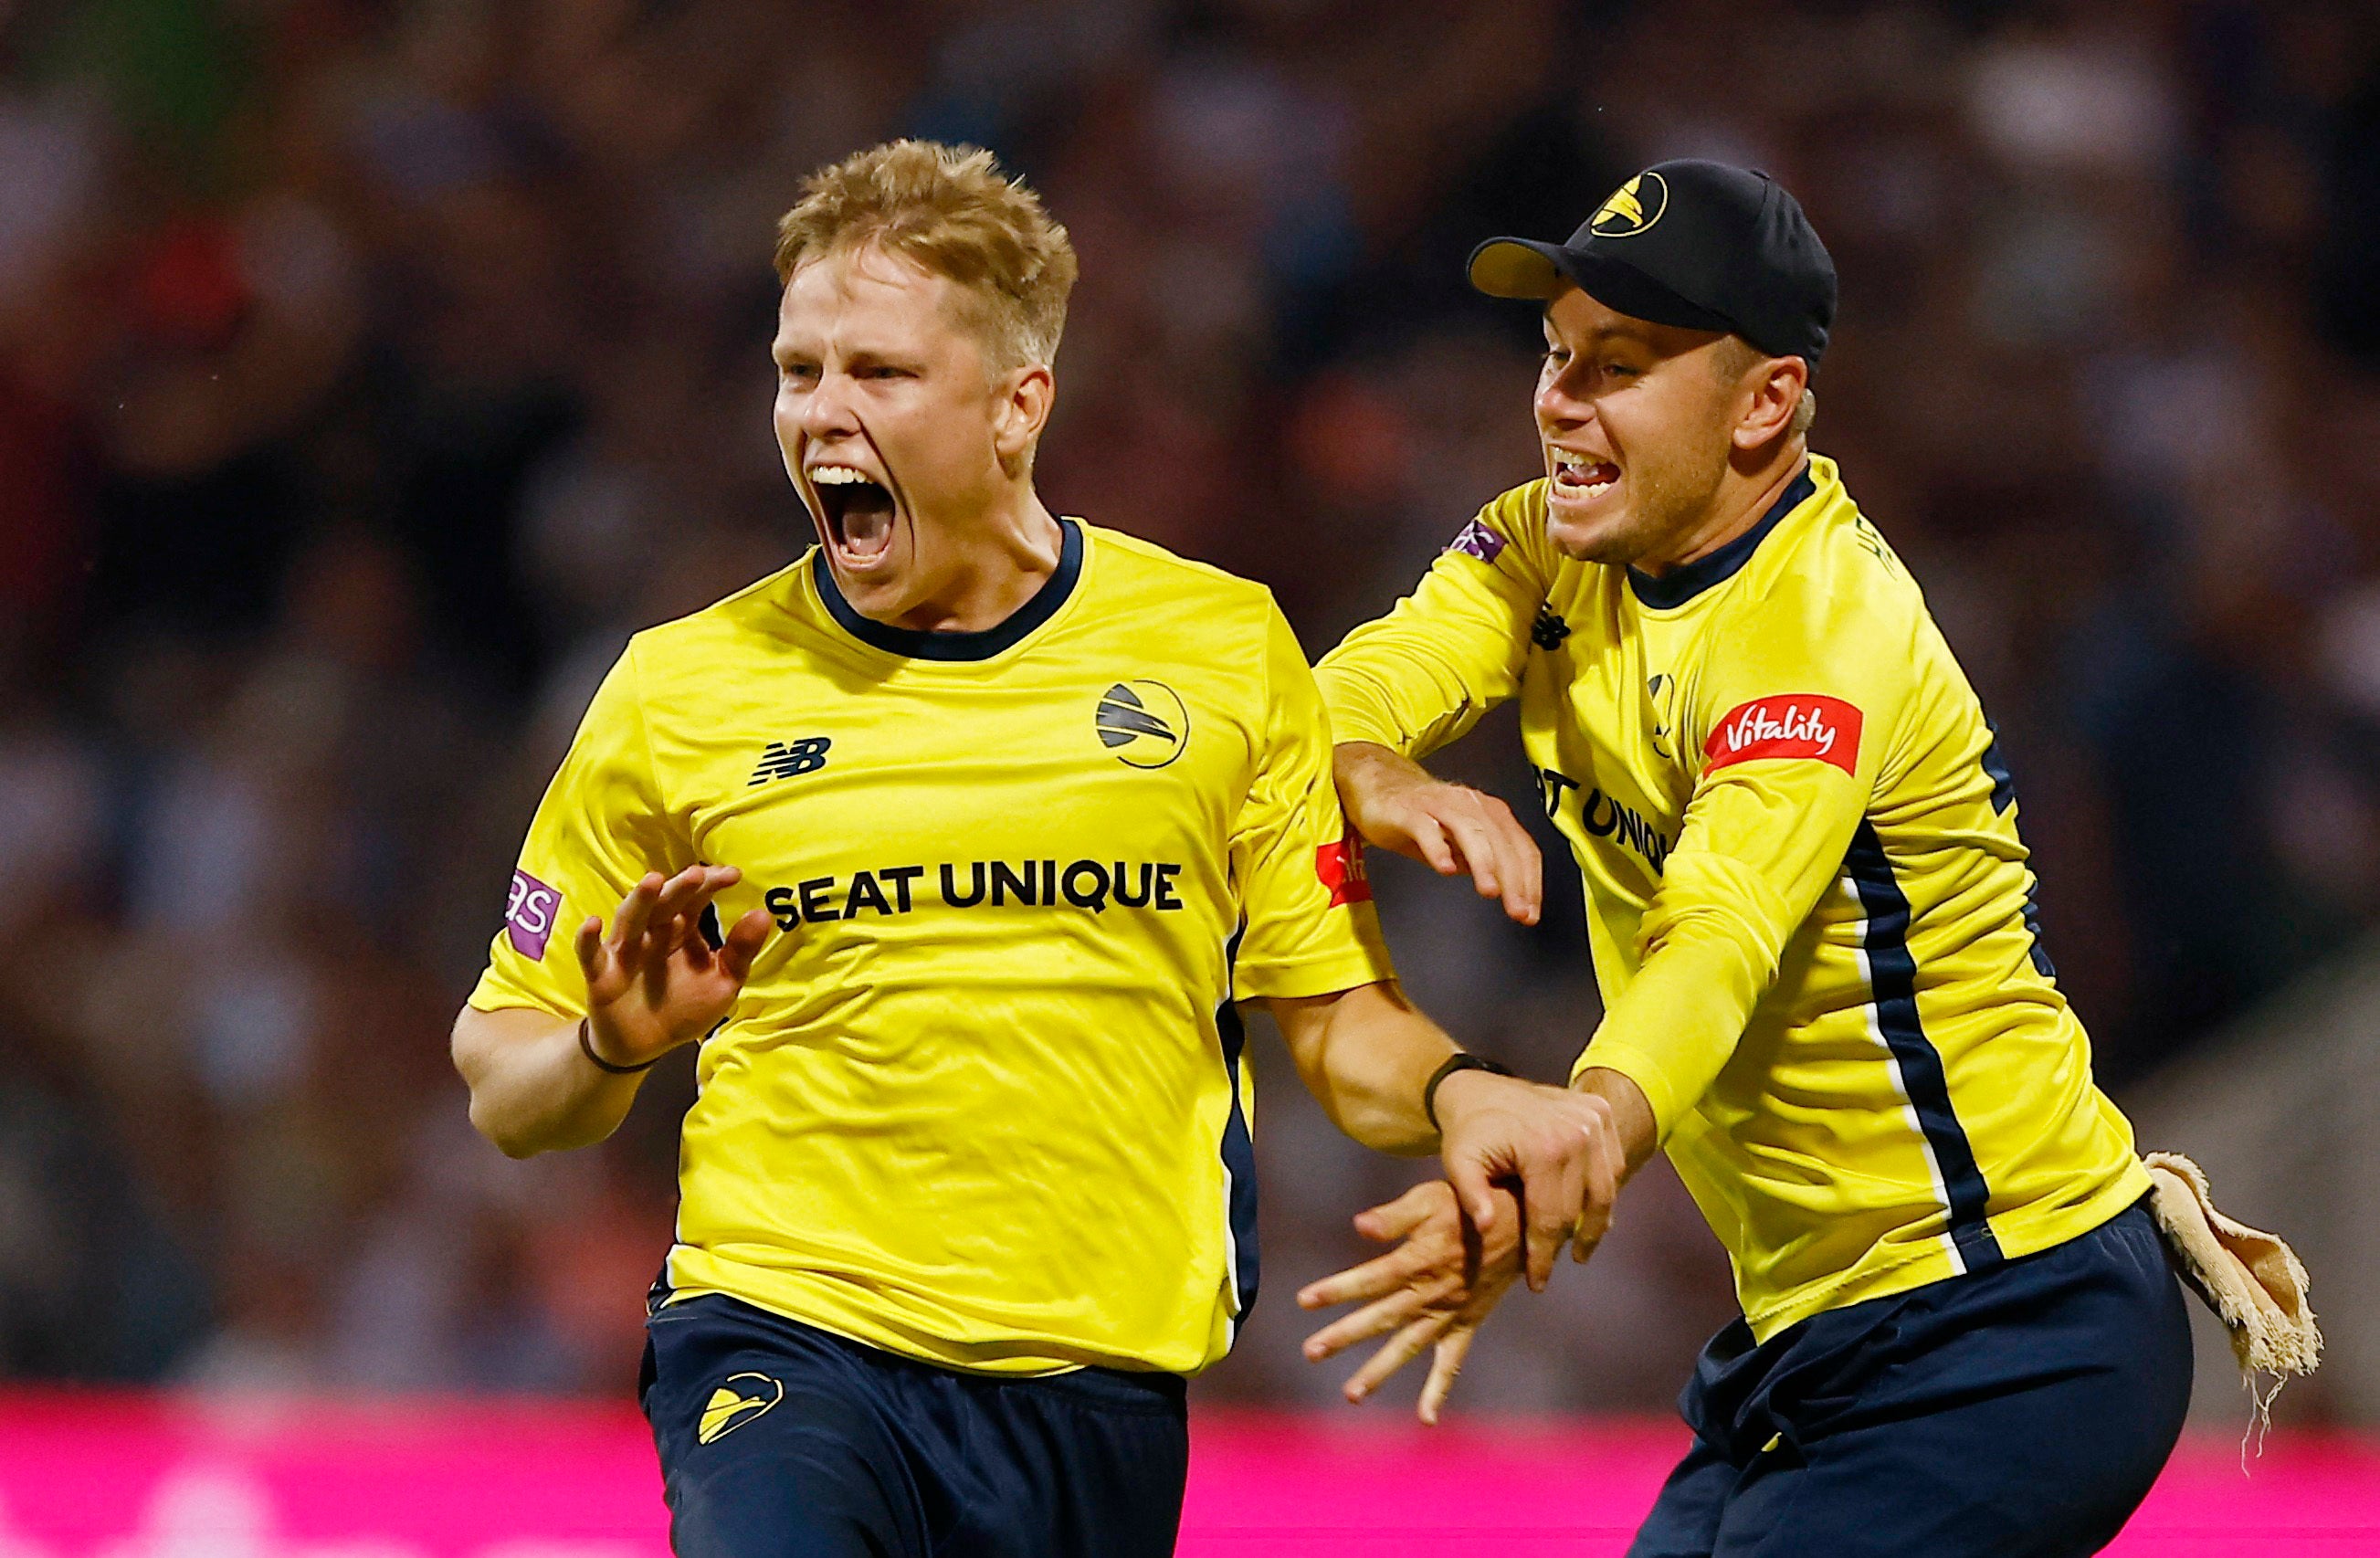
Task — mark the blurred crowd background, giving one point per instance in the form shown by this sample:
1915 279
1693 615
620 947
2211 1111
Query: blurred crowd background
371 369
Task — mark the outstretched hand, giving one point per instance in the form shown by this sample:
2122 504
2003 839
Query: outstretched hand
655 982
1434 1290
1453 829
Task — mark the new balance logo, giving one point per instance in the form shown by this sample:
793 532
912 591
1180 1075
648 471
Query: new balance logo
783 760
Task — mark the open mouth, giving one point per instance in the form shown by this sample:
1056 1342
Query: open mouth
1577 477
858 511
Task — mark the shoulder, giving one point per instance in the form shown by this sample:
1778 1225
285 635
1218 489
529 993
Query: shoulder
1837 578
1515 518
1126 564
760 611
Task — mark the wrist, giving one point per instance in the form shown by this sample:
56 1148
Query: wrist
594 1052
1436 1097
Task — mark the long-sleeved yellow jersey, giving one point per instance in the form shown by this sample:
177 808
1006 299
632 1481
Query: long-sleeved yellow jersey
1810 916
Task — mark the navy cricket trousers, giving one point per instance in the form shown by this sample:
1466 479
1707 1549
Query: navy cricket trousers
779 1439
2019 1412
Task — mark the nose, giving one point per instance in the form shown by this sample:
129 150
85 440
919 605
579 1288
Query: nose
826 411
1559 404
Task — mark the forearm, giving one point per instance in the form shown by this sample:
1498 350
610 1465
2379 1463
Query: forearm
1631 1111
1669 1033
532 1089
1365 1055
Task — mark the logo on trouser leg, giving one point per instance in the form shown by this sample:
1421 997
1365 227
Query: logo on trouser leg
741 1399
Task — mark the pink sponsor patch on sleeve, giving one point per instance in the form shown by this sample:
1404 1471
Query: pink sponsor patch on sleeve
529 915
1800 725
1480 540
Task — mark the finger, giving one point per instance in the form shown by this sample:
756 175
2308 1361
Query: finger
1381 1274
1607 1168
589 943
1395 1353
636 909
1551 1196
1472 1187
1445 1364
678 910
1430 846
744 943
1522 868
1519 871
1400 1308
1395 1220
1477 848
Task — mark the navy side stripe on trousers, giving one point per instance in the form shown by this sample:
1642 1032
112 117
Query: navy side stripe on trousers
1239 1148
1892 978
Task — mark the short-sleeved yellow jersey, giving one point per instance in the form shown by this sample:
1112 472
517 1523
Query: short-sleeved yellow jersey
1811 918
982 1101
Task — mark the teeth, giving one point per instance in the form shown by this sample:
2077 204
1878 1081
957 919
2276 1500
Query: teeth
836 476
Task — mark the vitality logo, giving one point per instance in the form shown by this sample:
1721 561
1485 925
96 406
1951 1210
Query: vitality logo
784 760
730 1407
1806 724
1144 723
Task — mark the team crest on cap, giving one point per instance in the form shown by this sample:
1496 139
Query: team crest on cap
1632 207
1144 723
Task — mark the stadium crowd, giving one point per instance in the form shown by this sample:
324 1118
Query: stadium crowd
371 369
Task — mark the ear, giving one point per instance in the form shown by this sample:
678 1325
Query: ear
1025 396
1767 398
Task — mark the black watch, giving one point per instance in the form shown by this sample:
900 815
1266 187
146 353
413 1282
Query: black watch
1453 1064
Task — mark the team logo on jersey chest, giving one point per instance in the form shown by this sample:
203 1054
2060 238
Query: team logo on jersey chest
1144 723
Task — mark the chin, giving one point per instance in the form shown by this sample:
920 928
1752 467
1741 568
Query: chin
1607 538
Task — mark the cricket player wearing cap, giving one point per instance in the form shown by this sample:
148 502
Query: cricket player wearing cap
1826 992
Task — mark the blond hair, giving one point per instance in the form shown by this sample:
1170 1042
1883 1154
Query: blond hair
950 210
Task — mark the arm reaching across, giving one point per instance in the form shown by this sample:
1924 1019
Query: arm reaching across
1453 829
540 1083
1368 1056
1415 680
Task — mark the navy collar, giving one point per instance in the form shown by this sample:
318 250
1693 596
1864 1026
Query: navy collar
1682 584
909 643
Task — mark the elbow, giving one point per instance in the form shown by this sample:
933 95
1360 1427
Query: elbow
507 1140
467 1048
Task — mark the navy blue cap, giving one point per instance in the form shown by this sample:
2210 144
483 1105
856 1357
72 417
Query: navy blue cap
1698 244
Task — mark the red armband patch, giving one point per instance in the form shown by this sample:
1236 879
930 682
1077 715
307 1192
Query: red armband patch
1341 867
1800 725
529 914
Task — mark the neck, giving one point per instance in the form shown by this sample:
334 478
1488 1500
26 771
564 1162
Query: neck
1742 498
997 560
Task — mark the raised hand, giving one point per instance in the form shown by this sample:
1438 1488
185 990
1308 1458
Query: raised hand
654 982
1453 829
1434 1290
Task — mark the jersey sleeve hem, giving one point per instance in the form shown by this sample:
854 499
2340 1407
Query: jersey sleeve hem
1296 978
1640 1067
496 993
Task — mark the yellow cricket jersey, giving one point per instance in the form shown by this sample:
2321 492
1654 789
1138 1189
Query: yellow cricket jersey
1811 918
982 1101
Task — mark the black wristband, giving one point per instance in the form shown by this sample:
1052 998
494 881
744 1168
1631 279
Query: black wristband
587 1049
1453 1064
